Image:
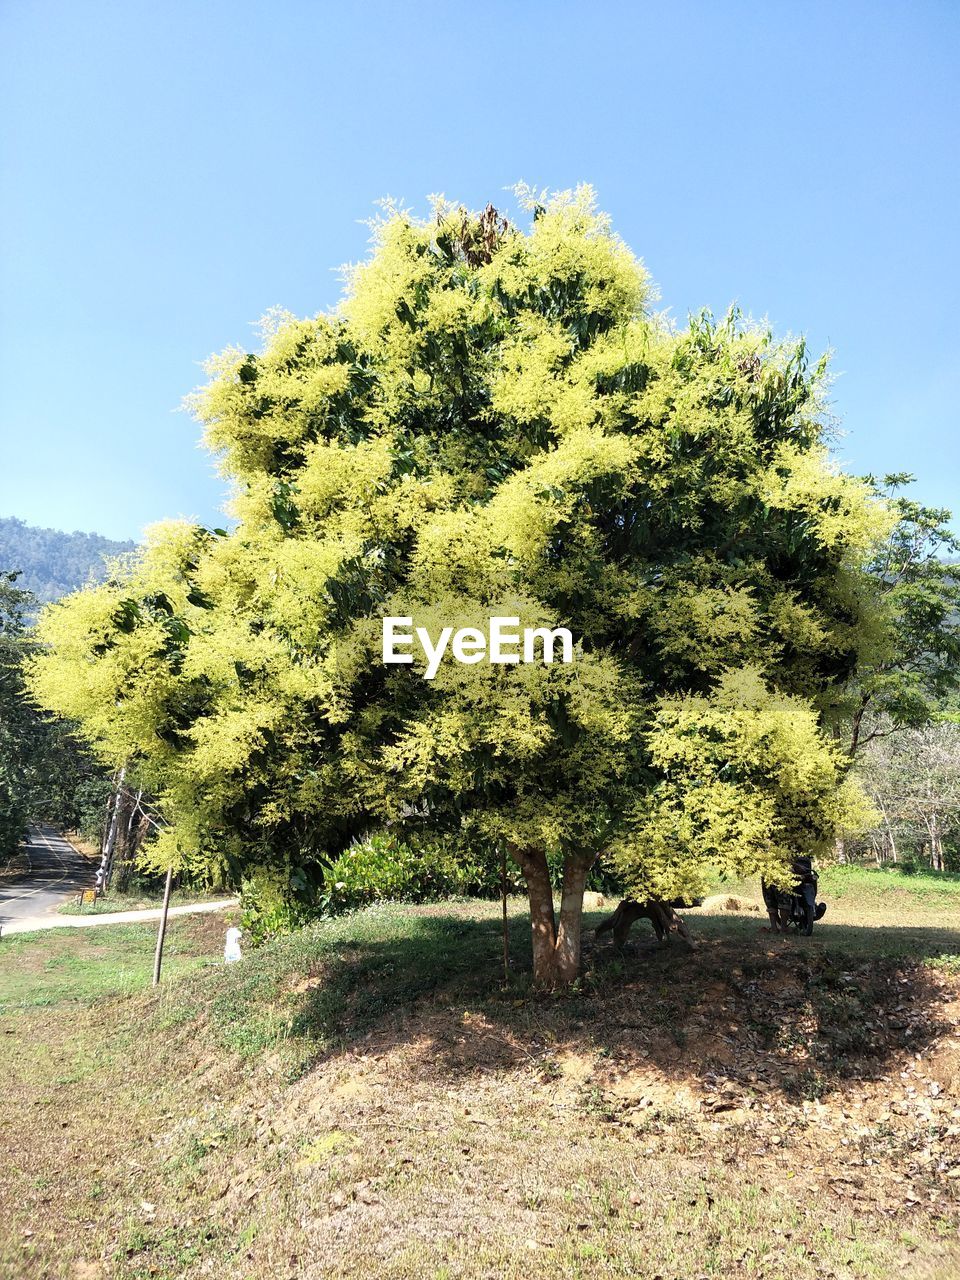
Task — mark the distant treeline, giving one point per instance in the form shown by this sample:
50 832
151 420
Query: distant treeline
53 563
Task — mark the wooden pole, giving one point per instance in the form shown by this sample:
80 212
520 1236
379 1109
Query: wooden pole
161 932
503 902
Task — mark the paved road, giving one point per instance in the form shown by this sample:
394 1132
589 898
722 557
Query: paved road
54 871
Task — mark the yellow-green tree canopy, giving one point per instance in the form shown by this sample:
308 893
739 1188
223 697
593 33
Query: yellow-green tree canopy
494 422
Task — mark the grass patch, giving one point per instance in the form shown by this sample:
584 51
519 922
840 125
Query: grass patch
887 888
304 993
872 888
62 967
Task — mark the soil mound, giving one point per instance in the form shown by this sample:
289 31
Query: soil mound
728 902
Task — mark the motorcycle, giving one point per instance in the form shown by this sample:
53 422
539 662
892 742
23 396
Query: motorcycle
804 908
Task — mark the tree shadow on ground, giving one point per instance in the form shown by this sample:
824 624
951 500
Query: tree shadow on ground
793 1015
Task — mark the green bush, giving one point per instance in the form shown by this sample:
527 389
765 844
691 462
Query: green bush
273 902
381 868
385 869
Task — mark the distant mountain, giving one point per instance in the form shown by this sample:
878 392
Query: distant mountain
53 563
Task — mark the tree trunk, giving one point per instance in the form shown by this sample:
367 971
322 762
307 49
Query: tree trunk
892 843
543 923
110 835
571 919
121 868
556 948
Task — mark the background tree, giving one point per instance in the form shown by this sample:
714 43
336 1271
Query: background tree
45 772
911 672
14 718
494 422
913 780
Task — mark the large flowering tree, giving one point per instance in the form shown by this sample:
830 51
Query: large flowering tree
494 422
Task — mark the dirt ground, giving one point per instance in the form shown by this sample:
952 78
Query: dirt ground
757 1107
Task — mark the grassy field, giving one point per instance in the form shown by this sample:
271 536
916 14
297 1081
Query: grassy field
367 1098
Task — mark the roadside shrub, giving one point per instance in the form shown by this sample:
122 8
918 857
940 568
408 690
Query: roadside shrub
274 900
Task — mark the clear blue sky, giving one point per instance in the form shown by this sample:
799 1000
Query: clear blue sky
172 170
